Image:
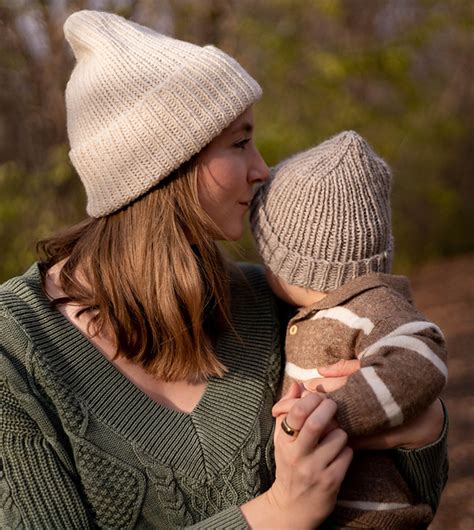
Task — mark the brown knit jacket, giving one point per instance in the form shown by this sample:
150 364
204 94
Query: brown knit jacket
403 370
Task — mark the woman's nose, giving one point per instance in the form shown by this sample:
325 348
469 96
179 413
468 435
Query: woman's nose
259 171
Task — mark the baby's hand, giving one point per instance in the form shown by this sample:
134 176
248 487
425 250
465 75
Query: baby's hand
334 376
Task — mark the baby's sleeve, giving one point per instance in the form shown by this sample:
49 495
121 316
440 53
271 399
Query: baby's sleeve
403 370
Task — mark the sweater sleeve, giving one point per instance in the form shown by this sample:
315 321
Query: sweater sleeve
36 489
403 370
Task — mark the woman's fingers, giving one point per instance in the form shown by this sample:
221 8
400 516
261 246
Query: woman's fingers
330 446
338 468
311 417
293 392
287 401
315 425
299 411
302 409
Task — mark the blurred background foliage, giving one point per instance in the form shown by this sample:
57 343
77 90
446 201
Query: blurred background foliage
397 71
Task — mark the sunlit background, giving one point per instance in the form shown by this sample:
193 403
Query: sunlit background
399 72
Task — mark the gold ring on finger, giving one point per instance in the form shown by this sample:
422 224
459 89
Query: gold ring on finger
287 429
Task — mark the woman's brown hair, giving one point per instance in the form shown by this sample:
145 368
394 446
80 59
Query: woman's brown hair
152 277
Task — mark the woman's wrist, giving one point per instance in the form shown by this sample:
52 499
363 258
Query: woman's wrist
262 513
265 512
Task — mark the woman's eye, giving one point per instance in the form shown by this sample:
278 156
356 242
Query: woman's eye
242 143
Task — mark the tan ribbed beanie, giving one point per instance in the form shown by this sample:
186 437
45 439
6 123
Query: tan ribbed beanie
323 217
140 104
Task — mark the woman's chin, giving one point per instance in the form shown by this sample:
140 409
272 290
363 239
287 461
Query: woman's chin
232 233
229 238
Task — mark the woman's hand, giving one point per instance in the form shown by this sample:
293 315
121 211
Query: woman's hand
309 467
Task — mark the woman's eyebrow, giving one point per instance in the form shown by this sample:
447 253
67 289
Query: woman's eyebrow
242 127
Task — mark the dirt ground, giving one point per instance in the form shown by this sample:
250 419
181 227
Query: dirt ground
445 293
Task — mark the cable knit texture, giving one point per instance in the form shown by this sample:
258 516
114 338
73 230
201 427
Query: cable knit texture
140 104
82 447
323 217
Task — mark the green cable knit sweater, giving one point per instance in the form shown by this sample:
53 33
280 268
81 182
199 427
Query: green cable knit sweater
82 447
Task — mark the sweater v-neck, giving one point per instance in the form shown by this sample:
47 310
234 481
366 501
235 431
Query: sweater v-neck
196 443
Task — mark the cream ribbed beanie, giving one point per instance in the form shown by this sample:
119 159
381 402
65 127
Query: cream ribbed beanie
140 104
323 217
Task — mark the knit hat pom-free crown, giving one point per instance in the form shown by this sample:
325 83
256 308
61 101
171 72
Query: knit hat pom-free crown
323 217
140 104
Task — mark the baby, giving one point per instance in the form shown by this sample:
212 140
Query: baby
322 227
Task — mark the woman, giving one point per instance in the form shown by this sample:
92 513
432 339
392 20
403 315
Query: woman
139 368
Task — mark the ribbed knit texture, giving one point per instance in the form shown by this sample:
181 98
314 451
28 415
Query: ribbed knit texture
323 217
413 464
83 447
140 104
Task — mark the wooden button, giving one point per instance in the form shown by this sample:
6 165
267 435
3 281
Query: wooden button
293 330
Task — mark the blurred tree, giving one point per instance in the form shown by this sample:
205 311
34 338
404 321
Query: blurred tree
400 73
397 71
